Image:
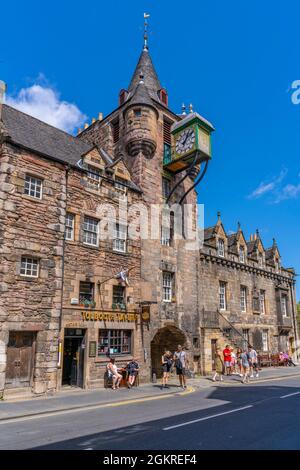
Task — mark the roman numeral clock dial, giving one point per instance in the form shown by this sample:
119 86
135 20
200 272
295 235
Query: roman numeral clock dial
185 141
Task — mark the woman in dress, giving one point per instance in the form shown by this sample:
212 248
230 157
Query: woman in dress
166 362
219 365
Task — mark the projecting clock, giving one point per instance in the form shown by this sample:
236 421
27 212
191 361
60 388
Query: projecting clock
191 143
185 141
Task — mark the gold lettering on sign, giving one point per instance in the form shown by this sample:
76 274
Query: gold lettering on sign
109 316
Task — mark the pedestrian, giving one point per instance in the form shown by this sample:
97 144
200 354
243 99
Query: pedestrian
132 370
239 361
113 373
181 363
245 366
166 362
227 359
253 360
233 362
219 365
288 359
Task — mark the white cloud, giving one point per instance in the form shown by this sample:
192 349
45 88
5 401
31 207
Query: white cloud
44 103
267 187
290 191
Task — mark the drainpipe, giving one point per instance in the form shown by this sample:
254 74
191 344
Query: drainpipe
59 364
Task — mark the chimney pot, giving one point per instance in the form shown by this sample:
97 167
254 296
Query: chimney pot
100 116
86 125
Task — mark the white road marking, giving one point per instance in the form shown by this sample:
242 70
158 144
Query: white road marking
206 418
290 395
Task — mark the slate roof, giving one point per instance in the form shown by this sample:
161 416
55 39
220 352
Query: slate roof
146 68
34 134
209 233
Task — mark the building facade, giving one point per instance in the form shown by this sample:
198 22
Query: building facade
76 288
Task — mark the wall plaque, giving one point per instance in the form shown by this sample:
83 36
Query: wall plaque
92 348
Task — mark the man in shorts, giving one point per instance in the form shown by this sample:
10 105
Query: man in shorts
253 362
227 359
181 363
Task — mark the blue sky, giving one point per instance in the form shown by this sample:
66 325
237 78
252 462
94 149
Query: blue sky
235 61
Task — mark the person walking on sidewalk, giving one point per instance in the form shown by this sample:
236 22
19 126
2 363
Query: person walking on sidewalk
181 363
227 359
253 362
219 365
166 361
245 366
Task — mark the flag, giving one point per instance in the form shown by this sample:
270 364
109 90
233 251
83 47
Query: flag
122 276
146 15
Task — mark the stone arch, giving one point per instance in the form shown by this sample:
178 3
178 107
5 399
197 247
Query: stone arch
166 338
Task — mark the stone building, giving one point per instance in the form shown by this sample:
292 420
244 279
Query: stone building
247 296
64 306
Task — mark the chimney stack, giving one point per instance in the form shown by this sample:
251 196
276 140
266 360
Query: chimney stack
100 116
2 95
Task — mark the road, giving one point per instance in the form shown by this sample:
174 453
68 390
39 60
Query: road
264 415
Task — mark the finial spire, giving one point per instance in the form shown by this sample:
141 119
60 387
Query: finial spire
146 16
191 108
219 215
183 109
239 226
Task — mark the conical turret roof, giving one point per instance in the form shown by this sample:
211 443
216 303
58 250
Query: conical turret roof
146 70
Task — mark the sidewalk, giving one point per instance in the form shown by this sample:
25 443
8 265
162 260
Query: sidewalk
77 399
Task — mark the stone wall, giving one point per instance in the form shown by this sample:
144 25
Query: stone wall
33 227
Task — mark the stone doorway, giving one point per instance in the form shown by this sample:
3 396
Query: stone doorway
166 338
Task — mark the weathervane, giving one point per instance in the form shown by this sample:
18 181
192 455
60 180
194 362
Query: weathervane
146 16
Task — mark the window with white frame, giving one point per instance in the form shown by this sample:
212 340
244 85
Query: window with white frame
265 341
262 302
245 333
283 300
94 173
222 295
165 236
119 184
167 286
221 247
33 186
29 267
90 231
242 254
70 226
119 243
243 298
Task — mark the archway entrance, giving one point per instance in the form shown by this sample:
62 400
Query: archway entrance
166 338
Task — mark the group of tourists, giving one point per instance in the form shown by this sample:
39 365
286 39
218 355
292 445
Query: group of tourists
242 362
179 360
116 374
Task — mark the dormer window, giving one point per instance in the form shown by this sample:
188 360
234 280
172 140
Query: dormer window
221 248
163 96
242 254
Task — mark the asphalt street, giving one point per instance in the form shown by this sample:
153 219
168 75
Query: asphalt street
262 415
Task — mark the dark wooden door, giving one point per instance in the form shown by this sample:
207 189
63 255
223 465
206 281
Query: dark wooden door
19 359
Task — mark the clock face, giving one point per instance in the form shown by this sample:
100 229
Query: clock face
185 141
